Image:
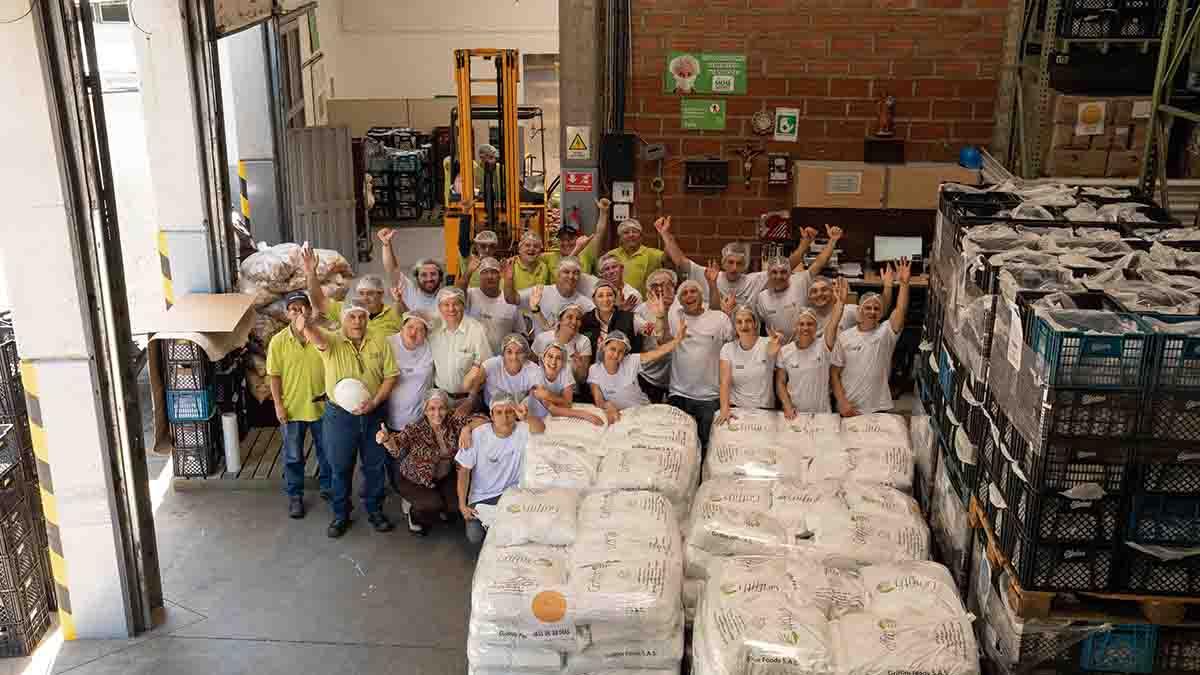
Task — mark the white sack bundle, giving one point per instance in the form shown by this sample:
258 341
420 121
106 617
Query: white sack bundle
917 587
732 517
867 643
551 463
520 598
536 516
575 430
656 421
626 524
487 659
627 598
890 465
663 651
648 464
875 429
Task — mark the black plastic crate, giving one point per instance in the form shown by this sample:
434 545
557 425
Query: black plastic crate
1062 463
1178 650
1145 574
1091 300
12 391
18 565
1085 360
1172 416
1178 355
1111 19
21 637
1164 520
408 211
1055 566
1047 516
198 451
963 475
1166 471
1082 413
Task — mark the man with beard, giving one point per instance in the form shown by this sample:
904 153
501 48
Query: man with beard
547 300
368 291
421 297
695 365
779 304
486 303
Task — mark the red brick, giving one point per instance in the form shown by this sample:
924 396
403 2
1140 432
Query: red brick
870 67
749 23
988 4
661 105
924 131
915 24
773 44
788 65
758 86
935 88
973 131
828 67
755 208
770 4
912 68
895 4
810 46
852 46
808 86
713 22
988 45
901 89
643 43
994 23
684 43
943 4
645 125
916 152
960 24
866 108
724 44
939 47
740 106
658 21
985 109
826 22
951 109
807 128
819 107
894 47
847 129
912 109
957 68
977 88
849 88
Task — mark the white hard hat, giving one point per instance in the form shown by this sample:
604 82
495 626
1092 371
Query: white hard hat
350 393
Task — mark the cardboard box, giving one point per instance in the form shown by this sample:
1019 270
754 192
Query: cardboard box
1129 109
1114 138
1064 137
838 185
1077 163
1137 135
1123 164
1075 109
915 185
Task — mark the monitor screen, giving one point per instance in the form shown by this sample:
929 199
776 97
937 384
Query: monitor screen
894 248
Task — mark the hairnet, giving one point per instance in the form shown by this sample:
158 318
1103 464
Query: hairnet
570 262
452 293
689 283
486 237
779 261
416 270
618 336
369 282
432 394
489 263
663 272
502 398
626 225
514 339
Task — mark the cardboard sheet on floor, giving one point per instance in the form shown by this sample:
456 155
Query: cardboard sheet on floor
219 323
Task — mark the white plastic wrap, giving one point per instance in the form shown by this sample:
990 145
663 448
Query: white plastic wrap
656 421
866 643
661 651
885 465
875 429
520 600
628 525
918 586
527 516
552 463
575 430
663 466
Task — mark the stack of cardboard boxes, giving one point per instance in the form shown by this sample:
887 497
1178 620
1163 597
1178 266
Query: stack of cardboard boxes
1095 136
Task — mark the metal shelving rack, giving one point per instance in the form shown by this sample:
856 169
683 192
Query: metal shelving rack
1176 44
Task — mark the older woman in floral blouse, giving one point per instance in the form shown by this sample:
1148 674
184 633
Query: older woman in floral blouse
425 476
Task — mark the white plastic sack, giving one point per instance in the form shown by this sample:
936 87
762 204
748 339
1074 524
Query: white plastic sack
488 659
919 586
575 430
661 652
671 469
890 465
526 516
764 458
520 598
628 597
550 463
866 643
626 525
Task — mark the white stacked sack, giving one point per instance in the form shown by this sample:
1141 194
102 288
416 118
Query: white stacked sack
577 583
812 447
803 615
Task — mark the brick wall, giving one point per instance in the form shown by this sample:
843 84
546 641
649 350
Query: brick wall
830 59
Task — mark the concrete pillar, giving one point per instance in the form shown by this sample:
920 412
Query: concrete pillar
580 57
55 336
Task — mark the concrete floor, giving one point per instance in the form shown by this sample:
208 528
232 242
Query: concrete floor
250 591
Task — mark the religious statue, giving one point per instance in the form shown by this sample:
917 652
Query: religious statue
748 154
887 117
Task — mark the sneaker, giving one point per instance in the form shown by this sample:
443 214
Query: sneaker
444 516
296 507
414 528
405 506
337 528
380 522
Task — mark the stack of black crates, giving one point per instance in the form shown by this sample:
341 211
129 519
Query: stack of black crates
27 593
197 392
1068 453
402 173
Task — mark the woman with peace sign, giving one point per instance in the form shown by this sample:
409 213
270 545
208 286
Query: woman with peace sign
747 366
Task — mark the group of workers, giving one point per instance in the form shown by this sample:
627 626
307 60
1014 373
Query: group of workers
459 376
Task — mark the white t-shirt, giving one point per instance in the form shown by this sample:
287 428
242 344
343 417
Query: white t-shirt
552 301
579 345
497 316
753 371
499 380
695 367
779 311
621 389
416 374
657 372
588 282
849 320
417 300
866 360
808 375
746 289
560 384
495 462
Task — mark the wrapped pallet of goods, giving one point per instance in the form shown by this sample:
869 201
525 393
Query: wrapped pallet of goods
272 272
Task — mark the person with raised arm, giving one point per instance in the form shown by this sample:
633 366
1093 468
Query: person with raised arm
802 369
614 377
695 364
747 366
779 304
862 359
554 393
486 303
368 291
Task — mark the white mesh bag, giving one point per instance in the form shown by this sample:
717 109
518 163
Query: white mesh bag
535 516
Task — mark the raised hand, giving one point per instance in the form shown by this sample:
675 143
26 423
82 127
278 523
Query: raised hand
629 302
397 292
656 304
775 343
663 225
385 235
841 290
604 204
308 257
712 272
535 295
382 436
904 270
728 303
809 234
833 232
522 412
888 275
507 269
462 412
473 264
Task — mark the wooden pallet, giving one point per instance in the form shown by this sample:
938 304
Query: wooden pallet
262 465
1080 605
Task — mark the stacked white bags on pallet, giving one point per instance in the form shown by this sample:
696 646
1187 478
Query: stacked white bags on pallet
803 615
812 447
573 583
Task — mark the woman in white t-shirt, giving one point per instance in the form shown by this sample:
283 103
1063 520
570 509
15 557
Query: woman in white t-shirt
566 333
614 379
862 358
747 366
511 372
802 369
555 389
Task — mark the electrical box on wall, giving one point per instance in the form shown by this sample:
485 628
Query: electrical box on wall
705 175
617 154
778 169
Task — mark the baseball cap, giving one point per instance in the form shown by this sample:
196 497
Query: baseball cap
296 296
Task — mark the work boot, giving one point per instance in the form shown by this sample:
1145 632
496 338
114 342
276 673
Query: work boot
295 507
415 528
405 506
337 528
380 522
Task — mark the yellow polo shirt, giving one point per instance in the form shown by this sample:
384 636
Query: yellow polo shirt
300 367
587 260
372 363
386 323
540 275
639 265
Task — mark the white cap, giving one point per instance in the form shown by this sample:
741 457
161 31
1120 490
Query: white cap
486 237
489 263
570 262
630 224
502 398
452 293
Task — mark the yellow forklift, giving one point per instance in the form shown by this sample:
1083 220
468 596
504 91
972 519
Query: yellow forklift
489 193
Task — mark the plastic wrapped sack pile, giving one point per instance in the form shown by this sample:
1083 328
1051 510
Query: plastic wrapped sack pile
812 447
574 584
802 615
652 447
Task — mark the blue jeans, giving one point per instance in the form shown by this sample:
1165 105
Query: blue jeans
349 437
702 411
293 457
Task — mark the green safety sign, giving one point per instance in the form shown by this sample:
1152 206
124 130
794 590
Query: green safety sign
702 114
705 73
787 122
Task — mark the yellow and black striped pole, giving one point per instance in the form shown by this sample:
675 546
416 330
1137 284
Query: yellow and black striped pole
58 563
244 192
164 264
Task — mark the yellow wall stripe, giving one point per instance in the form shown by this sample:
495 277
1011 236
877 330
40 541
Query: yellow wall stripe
164 263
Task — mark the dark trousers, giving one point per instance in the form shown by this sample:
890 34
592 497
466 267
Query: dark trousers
701 411
655 393
425 504
293 457
349 437
475 529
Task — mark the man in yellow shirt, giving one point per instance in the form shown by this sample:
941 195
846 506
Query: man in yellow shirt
531 268
354 353
298 389
368 290
639 260
571 242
